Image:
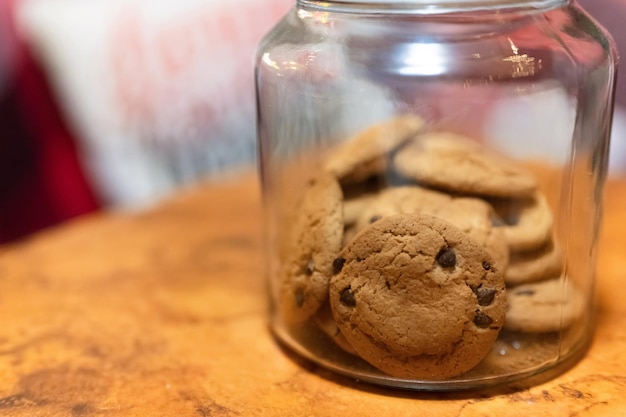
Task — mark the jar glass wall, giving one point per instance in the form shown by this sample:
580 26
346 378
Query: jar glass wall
432 187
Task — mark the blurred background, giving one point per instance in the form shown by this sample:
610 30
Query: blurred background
116 103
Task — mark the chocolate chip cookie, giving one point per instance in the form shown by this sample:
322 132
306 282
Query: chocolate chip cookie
455 163
398 200
416 298
536 265
314 240
546 306
366 153
527 222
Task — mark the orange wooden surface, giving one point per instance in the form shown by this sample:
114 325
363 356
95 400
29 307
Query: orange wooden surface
162 313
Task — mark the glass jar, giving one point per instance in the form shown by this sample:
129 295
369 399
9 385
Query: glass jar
432 174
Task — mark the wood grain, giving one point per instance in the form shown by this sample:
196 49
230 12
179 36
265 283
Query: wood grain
162 313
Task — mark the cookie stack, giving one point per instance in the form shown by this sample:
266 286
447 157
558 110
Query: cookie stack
407 246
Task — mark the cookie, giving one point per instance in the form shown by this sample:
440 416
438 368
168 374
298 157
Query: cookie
325 321
399 200
532 266
354 207
543 307
313 242
417 298
366 153
527 222
455 163
473 216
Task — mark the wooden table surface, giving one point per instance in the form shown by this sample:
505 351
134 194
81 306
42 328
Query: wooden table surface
162 313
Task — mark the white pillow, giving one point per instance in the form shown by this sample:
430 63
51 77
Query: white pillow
158 92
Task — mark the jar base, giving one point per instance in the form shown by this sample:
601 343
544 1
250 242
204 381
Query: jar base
483 377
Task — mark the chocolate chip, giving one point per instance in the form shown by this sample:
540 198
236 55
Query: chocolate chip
347 297
310 268
486 266
485 296
299 296
374 219
338 265
525 292
482 320
446 258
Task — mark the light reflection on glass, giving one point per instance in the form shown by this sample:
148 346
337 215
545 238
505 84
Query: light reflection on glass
282 66
424 59
523 65
305 14
269 61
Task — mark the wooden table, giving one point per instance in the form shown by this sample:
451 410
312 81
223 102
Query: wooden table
162 313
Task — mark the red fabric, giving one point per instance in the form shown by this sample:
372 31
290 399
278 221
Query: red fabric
41 180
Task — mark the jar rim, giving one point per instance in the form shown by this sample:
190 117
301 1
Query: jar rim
429 6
